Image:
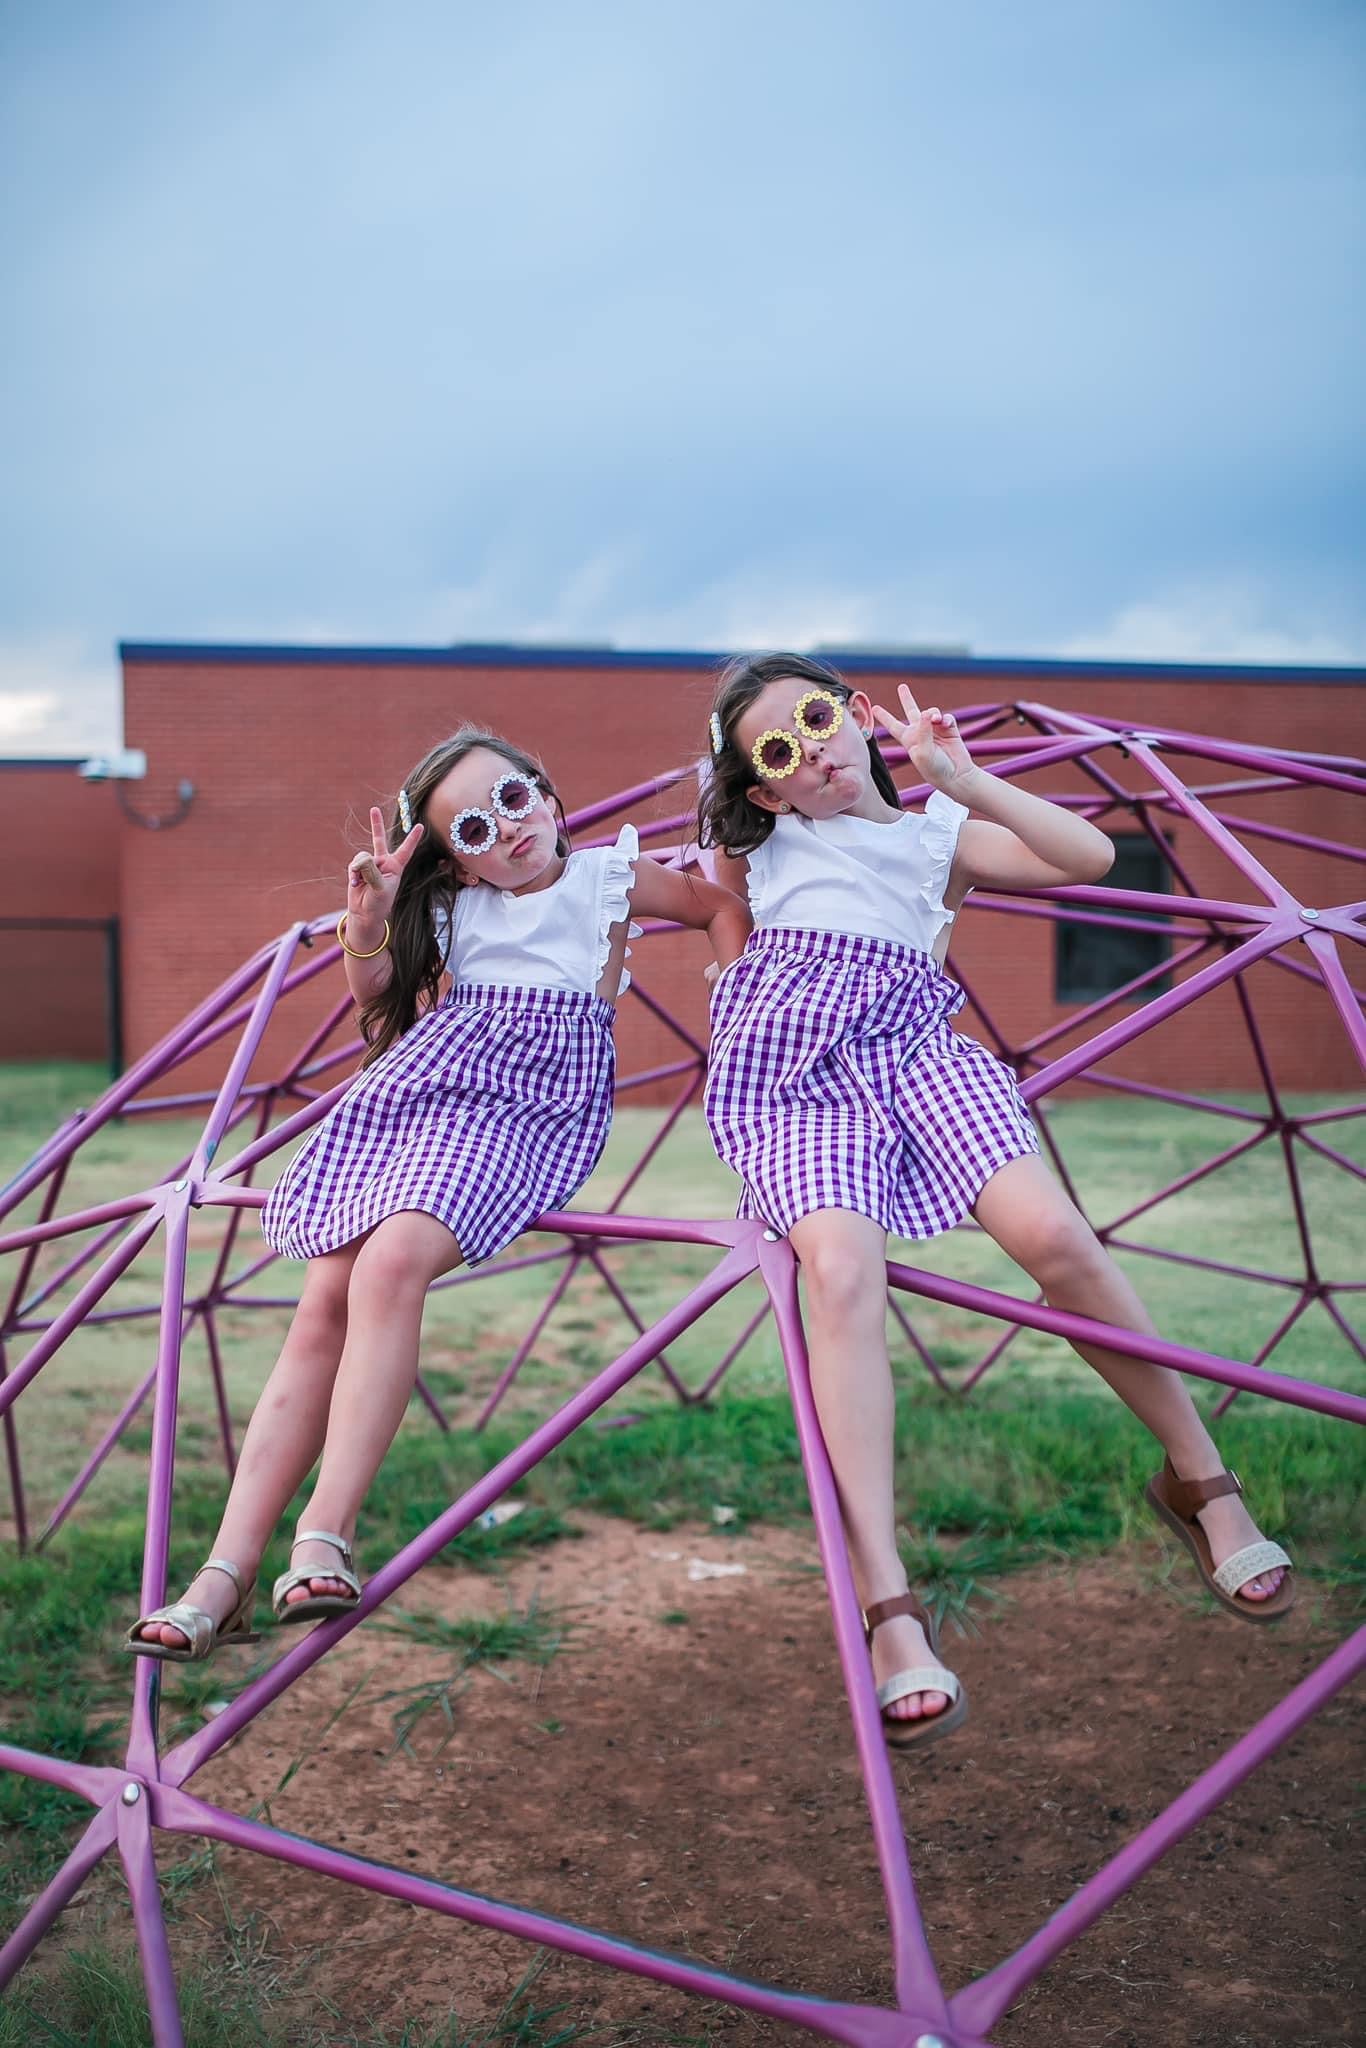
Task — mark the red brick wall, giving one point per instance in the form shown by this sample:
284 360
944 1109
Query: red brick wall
59 853
280 750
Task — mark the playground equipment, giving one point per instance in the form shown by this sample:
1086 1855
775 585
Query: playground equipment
1217 941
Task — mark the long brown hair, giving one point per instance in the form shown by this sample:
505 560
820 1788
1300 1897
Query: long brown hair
725 815
426 895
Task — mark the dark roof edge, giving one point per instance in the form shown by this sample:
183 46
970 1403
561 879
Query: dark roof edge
501 654
45 760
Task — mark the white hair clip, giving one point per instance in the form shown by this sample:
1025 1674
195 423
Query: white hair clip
718 738
405 811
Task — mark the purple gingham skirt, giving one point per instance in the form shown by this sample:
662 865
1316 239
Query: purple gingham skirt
836 1082
494 1108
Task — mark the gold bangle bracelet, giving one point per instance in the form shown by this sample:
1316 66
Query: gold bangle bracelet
350 951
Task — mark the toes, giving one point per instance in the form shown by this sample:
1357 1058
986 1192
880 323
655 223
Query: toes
917 1706
1264 1587
1260 1589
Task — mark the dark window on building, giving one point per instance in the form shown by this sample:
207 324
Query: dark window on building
1092 960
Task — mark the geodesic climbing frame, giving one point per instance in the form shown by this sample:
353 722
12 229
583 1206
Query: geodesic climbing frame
1127 781
149 1789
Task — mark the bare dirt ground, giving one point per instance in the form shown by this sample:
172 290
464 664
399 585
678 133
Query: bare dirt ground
690 1784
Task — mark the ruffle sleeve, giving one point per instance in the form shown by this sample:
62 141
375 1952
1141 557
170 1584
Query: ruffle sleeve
617 876
756 870
443 929
943 820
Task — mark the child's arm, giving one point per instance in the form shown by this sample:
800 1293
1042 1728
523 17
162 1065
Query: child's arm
692 901
371 886
1017 840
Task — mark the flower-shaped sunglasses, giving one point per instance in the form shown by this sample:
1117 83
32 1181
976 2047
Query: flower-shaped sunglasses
777 753
475 830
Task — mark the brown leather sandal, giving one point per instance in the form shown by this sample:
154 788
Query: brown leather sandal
900 1733
1178 1501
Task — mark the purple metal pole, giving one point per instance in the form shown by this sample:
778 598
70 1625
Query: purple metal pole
983 2002
609 1279
1133 1343
1199 984
246 1051
917 1980
53 1900
523 1351
84 1219
142 1747
139 1864
97 1286
1282 1329
106 1444
859 2026
77 1130
1330 967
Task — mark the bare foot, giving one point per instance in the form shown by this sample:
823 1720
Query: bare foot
900 1645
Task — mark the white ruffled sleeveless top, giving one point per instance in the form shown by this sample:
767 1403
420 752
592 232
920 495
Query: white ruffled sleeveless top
875 880
558 937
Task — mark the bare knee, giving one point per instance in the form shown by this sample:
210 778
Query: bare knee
1063 1254
396 1263
843 1284
321 1314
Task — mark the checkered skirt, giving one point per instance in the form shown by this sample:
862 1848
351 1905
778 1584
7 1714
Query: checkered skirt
494 1108
836 1082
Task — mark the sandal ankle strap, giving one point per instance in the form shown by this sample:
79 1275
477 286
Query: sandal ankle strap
225 1564
339 1543
885 1610
1187 1496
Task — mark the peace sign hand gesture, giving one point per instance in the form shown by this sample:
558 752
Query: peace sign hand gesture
372 879
933 741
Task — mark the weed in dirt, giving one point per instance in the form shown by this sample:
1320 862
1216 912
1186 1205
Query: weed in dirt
952 1578
533 1635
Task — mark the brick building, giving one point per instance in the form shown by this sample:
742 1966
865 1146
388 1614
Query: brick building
59 905
282 743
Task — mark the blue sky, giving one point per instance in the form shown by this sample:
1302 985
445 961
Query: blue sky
751 321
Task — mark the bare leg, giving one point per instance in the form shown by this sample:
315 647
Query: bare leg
1032 1220
389 1280
843 1258
283 1437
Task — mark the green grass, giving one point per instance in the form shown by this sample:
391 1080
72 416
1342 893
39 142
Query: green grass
96 2000
1117 1151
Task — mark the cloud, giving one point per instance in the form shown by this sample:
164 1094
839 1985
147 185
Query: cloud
59 694
1220 621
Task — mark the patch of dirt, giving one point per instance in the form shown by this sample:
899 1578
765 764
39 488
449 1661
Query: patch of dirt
691 1784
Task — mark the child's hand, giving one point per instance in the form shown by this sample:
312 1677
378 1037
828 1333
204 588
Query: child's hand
372 879
710 973
932 740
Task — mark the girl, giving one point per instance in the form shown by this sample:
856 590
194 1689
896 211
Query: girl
849 1107
473 1116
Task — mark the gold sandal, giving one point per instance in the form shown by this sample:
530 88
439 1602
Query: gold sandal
900 1732
318 1605
203 1634
1178 1501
